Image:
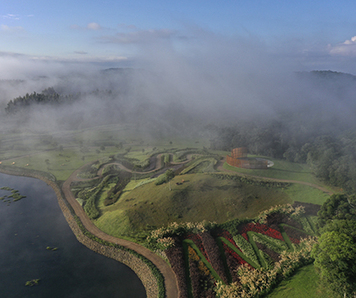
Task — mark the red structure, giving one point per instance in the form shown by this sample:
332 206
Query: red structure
238 158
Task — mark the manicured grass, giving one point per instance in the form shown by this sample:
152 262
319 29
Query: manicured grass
307 194
281 170
200 197
304 283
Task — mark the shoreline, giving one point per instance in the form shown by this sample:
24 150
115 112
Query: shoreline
141 268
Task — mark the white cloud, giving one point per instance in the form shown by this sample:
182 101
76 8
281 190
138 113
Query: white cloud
11 16
93 26
347 48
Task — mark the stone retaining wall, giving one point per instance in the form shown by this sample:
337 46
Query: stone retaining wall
140 268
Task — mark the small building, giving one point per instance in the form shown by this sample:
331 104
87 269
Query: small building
238 158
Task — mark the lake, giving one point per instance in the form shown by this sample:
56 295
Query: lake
28 227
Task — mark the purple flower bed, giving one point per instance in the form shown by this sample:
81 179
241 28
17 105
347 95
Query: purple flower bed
213 253
274 255
294 235
175 256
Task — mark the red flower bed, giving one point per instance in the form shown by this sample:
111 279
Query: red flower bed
198 242
262 229
240 260
227 236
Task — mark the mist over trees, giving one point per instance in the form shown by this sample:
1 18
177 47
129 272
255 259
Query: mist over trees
305 117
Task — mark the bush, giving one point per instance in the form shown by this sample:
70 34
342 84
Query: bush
167 176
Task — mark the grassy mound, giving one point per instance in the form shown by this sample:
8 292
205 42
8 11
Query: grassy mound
199 197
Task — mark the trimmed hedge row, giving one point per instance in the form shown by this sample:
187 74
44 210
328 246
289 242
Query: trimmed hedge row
90 207
272 243
246 247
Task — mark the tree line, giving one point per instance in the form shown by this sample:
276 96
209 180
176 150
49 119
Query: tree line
332 157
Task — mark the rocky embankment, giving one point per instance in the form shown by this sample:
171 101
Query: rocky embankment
141 269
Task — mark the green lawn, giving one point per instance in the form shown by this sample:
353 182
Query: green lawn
303 284
306 194
201 197
281 170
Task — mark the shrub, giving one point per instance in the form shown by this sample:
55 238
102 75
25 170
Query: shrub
167 176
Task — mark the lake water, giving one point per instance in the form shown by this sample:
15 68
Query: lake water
27 227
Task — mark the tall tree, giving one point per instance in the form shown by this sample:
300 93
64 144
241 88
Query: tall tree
335 257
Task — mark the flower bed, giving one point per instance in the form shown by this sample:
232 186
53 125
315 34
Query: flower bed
213 253
200 276
198 242
294 234
240 260
232 264
262 229
273 254
309 208
225 234
175 256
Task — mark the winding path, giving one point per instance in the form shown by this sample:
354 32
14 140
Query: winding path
164 268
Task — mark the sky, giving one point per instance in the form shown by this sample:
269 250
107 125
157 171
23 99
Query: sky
299 35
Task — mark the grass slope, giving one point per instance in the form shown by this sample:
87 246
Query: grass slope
281 170
200 197
304 283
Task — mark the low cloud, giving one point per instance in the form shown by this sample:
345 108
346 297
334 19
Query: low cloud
347 48
93 26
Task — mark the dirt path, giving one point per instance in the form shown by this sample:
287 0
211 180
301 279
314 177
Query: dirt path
323 189
169 276
167 272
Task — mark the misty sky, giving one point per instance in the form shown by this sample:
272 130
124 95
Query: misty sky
299 35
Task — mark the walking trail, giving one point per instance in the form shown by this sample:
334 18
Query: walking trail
167 272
